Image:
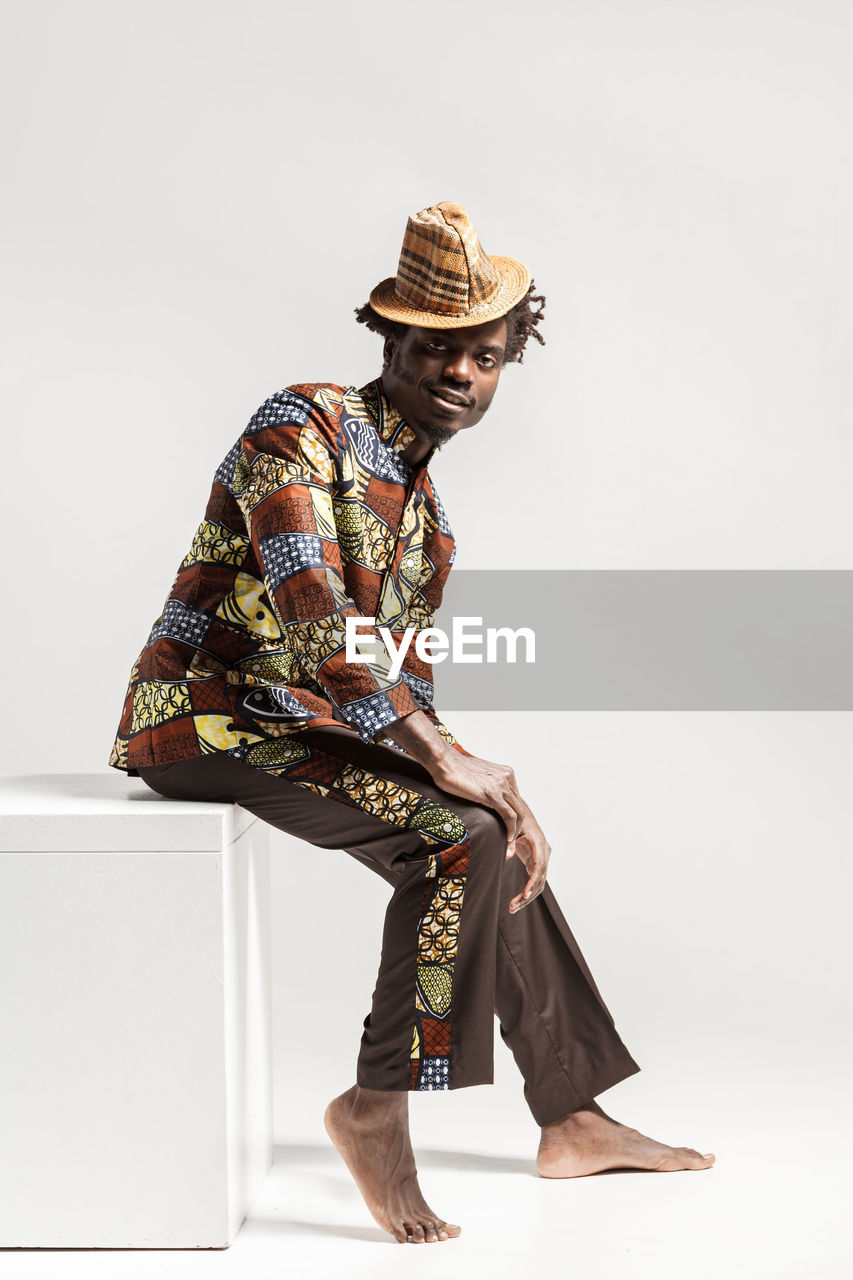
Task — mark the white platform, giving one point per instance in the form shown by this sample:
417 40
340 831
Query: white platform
135 1014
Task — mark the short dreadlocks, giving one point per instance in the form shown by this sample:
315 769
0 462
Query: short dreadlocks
521 324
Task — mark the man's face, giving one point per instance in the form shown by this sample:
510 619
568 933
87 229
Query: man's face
443 380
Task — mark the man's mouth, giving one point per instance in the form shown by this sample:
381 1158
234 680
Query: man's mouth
450 401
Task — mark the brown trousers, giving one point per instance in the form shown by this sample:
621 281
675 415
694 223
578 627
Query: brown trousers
452 955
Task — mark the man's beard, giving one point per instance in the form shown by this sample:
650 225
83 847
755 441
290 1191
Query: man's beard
438 435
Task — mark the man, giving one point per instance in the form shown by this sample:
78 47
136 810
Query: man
323 511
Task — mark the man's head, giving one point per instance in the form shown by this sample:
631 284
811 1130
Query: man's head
451 318
443 380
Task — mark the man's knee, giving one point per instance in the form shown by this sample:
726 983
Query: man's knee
487 832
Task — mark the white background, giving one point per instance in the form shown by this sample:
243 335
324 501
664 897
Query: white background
196 197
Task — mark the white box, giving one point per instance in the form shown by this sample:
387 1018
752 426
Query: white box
135 1015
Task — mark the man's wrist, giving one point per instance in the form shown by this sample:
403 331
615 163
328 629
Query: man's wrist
420 738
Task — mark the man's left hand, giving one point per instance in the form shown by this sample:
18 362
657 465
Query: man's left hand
534 851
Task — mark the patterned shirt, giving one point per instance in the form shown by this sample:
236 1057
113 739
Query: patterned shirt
313 516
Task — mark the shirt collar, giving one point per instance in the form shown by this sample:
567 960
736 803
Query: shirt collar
390 424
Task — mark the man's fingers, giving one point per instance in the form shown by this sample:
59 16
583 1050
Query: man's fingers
519 902
531 890
506 810
510 783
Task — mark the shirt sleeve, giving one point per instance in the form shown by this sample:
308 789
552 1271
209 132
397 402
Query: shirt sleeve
282 483
438 554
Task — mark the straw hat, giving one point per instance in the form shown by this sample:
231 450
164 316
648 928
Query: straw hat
445 279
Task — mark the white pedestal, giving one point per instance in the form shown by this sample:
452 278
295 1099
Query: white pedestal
135 1015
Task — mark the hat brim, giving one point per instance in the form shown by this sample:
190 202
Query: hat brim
515 281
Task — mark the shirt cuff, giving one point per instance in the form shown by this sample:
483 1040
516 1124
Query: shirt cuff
376 711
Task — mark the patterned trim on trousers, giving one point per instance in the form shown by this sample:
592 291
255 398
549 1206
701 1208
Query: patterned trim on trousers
452 956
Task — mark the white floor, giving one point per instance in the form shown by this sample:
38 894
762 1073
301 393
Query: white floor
774 1206
704 864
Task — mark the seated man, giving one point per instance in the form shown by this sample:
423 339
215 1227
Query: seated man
324 510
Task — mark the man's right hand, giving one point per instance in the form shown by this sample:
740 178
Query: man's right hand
499 790
485 782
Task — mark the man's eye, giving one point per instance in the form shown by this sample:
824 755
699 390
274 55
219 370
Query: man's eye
487 362
436 346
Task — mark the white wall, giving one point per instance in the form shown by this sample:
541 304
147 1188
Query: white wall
198 194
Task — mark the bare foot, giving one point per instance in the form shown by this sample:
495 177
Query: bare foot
371 1131
588 1141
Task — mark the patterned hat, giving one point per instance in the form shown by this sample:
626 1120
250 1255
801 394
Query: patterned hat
445 279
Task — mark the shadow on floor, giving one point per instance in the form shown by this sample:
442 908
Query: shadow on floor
328 1230
317 1156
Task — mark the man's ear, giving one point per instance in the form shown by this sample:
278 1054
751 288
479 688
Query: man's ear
388 349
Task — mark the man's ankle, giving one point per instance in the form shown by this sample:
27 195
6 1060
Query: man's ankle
368 1103
579 1118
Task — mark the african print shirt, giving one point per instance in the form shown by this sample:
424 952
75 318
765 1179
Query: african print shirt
313 516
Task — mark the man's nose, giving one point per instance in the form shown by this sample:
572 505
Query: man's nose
458 367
